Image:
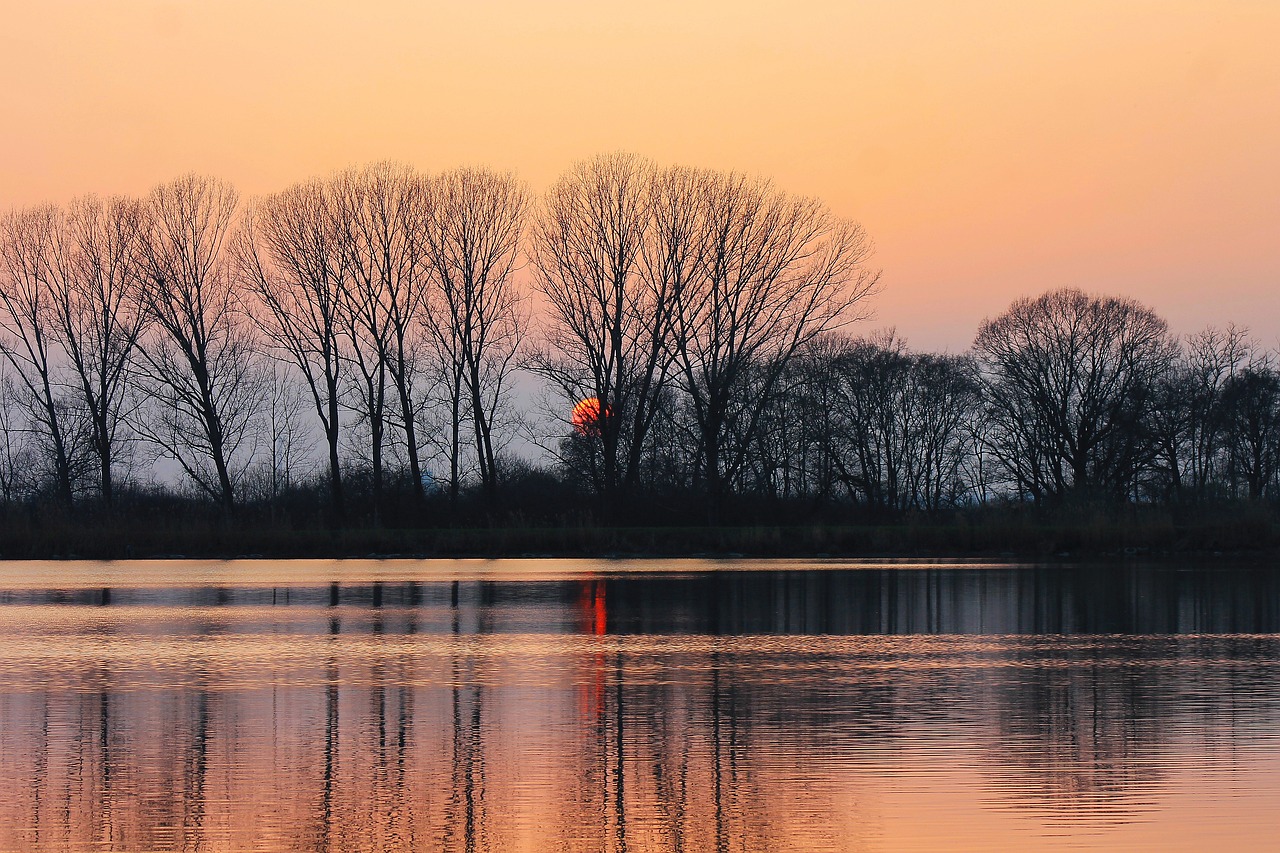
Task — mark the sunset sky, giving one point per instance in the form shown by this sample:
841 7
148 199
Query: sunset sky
991 149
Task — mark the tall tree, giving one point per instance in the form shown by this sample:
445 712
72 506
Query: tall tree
669 260
199 365
364 335
29 339
773 271
292 257
98 316
475 314
600 340
384 208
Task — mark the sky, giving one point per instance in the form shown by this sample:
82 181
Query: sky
991 149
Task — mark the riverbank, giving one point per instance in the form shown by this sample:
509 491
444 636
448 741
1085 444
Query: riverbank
1251 530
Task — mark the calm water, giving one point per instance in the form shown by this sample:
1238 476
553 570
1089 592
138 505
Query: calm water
604 706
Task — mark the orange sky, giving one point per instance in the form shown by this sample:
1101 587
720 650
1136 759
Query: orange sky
992 149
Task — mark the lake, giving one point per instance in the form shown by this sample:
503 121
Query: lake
579 705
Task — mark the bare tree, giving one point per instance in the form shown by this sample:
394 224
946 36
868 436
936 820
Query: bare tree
476 315
29 337
384 207
292 256
1187 411
669 261
98 317
818 388
447 379
947 397
19 465
1068 378
903 436
773 272
873 438
1251 416
600 340
364 334
286 401
200 364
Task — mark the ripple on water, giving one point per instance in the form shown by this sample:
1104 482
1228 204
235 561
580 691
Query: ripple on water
655 712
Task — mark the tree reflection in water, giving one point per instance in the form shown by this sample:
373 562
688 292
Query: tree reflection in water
776 710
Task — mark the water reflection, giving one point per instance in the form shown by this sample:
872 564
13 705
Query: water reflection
791 710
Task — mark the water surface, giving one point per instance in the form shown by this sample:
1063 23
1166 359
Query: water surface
607 706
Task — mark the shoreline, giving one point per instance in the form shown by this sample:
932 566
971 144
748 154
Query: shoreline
998 539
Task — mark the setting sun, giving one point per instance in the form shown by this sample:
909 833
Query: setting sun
586 416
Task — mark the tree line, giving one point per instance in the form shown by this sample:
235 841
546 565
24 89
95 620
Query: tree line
388 338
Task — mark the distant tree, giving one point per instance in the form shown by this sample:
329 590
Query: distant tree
872 438
947 397
820 368
19 463
1068 380
1187 412
199 365
286 401
1251 408
900 436
778 463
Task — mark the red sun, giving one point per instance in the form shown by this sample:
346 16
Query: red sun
587 416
